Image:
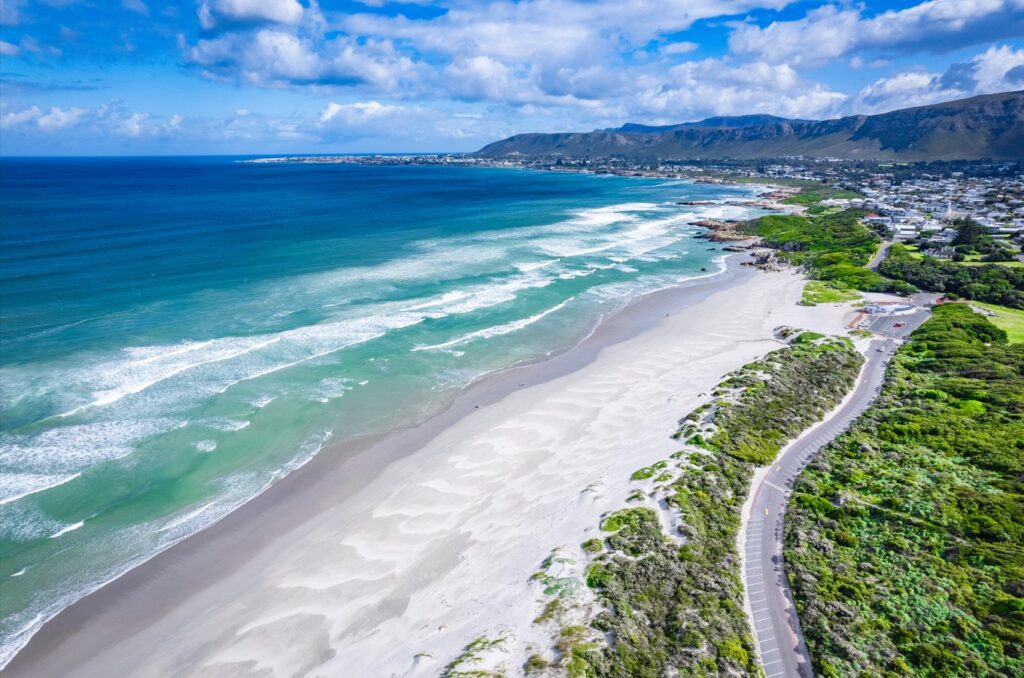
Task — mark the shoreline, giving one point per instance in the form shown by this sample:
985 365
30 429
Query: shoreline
360 460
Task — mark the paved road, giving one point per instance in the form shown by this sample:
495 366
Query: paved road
880 254
776 626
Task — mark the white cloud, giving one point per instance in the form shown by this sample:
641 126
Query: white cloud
903 90
829 31
684 47
998 69
716 87
992 67
357 113
274 11
58 119
7 49
15 118
277 58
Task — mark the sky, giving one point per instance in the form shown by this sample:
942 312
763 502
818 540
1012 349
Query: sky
142 77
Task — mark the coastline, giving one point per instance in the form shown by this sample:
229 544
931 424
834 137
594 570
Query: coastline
220 563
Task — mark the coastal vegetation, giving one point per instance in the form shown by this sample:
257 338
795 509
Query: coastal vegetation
904 539
991 283
672 599
832 247
813 194
822 292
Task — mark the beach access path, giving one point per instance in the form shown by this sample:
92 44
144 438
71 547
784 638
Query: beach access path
773 617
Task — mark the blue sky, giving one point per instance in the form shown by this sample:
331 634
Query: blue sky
275 76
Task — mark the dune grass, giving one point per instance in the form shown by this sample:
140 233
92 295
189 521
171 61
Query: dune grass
823 292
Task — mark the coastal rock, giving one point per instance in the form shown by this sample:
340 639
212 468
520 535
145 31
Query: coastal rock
721 231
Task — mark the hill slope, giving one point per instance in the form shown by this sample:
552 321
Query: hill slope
990 126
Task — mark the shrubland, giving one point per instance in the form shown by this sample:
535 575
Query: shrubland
904 538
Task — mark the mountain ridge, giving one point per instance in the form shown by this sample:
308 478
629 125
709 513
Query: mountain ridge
988 126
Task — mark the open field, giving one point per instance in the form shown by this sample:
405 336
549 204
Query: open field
1010 320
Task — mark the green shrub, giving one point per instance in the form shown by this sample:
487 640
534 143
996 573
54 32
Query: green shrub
921 571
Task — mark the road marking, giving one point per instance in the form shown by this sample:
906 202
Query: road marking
766 665
771 484
775 675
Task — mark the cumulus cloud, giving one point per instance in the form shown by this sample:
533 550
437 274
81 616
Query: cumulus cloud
830 31
997 69
212 12
58 119
369 123
684 47
716 87
15 118
358 112
276 58
111 119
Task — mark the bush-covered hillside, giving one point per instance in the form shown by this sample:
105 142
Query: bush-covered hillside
834 247
905 538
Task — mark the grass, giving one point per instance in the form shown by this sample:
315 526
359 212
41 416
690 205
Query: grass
810 196
1010 320
823 292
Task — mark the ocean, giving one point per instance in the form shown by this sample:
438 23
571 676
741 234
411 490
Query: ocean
178 333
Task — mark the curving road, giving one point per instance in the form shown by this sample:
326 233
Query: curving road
780 642
881 254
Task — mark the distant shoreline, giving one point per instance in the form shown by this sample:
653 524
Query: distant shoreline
769 194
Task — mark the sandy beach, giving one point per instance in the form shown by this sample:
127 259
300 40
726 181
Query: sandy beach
387 557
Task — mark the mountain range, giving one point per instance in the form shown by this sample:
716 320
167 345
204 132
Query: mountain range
989 126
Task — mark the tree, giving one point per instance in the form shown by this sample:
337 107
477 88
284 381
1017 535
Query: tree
969 232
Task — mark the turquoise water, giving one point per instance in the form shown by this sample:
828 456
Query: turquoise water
179 333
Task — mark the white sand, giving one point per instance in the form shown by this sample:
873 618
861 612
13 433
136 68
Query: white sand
437 551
